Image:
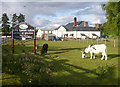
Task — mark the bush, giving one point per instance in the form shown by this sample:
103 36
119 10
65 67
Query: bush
105 71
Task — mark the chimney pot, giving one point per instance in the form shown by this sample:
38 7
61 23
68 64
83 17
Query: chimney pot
97 26
75 21
85 24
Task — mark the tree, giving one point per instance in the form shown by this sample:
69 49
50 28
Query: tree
14 19
21 18
6 30
36 32
111 27
5 25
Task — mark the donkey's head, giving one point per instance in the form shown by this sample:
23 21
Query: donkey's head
84 54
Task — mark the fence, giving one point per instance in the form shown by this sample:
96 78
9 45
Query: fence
108 42
5 40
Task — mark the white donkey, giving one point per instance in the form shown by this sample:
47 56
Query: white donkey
95 49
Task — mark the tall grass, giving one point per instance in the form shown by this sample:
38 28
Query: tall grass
62 65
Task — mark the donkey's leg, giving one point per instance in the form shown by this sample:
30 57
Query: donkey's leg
91 55
102 56
105 56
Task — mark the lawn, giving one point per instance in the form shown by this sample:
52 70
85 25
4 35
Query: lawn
63 65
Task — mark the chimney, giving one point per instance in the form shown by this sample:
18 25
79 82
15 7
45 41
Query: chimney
85 24
97 26
75 21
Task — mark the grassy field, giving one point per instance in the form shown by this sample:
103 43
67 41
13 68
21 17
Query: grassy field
63 65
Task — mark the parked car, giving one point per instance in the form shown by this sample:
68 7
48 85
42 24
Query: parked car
54 39
59 39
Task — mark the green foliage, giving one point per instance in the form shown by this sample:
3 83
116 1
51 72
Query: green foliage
62 65
21 18
105 71
5 25
103 6
36 32
111 27
14 20
6 29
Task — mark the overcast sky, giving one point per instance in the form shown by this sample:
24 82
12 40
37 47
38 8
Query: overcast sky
53 14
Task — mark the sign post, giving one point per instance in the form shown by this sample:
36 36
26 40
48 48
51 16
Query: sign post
12 42
34 43
23 31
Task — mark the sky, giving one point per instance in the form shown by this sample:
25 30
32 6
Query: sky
53 14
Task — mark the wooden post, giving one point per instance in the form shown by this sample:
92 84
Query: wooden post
105 41
34 43
97 41
91 41
13 46
34 46
114 43
12 43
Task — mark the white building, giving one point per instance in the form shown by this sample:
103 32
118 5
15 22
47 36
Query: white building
73 30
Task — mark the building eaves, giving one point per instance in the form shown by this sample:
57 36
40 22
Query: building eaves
78 28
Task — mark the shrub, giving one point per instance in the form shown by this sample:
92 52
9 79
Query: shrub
105 71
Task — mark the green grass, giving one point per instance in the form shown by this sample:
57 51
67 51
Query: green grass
62 65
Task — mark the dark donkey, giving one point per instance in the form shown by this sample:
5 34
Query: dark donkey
44 49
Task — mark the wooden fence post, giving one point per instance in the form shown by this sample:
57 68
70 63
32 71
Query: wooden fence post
92 40
105 41
114 43
97 41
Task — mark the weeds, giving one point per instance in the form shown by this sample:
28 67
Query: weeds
104 71
62 65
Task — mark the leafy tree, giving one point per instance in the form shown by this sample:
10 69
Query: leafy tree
5 25
6 30
0 25
111 27
36 32
21 18
14 19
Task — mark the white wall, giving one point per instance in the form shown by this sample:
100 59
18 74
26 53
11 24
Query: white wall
60 32
55 32
88 33
39 33
71 32
77 34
